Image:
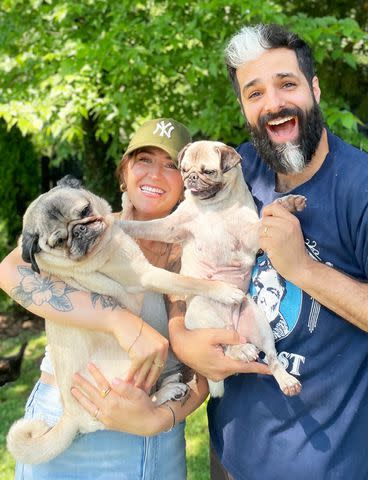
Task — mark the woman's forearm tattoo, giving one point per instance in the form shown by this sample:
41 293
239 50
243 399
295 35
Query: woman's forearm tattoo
105 301
35 289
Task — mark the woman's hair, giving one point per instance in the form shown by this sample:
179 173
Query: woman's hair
120 169
250 42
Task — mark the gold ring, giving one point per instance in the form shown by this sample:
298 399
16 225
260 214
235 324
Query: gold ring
97 413
265 230
158 364
105 391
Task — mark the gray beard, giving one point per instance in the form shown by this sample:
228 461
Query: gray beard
289 157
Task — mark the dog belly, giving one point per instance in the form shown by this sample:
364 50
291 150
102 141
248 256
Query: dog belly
71 349
235 274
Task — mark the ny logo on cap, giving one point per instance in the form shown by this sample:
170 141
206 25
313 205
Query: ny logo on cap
164 129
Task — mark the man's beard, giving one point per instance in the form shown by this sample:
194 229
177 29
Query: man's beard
290 157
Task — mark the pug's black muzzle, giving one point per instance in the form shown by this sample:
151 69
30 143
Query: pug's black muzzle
84 235
202 188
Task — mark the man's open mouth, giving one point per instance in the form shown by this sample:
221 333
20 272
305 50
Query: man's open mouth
283 129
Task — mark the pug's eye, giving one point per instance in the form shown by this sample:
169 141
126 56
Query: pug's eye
59 242
208 172
86 211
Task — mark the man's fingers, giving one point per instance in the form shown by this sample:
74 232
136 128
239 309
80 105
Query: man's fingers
225 336
276 210
254 367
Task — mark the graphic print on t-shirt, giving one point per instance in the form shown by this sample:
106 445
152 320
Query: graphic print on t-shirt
280 300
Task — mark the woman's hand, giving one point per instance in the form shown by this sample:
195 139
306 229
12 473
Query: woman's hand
146 348
119 406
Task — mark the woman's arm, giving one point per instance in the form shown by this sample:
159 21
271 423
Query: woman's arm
51 298
129 409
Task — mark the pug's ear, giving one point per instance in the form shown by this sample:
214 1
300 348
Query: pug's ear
229 157
30 246
69 181
181 154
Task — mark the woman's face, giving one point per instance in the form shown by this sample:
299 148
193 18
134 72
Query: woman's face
153 182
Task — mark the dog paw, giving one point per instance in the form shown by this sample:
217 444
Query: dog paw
291 386
246 352
293 203
229 295
171 391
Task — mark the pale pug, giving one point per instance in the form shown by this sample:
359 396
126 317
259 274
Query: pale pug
71 233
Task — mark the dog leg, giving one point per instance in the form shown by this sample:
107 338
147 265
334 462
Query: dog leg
170 229
254 326
160 280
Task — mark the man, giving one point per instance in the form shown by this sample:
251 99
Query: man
322 253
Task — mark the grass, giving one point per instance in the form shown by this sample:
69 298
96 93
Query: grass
13 397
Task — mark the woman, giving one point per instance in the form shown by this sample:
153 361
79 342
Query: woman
153 444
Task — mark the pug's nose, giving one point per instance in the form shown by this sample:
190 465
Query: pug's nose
193 176
79 230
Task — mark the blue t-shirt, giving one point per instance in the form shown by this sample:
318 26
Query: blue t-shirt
321 434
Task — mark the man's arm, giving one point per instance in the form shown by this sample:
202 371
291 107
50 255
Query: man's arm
282 239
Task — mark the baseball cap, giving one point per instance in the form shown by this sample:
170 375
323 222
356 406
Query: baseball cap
165 133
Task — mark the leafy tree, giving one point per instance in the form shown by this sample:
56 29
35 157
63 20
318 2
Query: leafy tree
78 77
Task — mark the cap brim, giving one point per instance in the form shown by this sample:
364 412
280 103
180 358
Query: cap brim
173 153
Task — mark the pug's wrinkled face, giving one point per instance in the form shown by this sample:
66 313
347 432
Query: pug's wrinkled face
206 167
64 222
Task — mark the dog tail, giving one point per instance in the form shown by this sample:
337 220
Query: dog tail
33 441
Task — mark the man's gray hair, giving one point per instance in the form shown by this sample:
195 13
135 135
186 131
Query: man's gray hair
251 41
248 44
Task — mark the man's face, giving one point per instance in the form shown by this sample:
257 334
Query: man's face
281 110
269 292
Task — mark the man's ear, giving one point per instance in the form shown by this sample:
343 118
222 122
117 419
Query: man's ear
229 157
181 154
30 246
315 88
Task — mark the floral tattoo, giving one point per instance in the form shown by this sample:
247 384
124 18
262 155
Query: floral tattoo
37 290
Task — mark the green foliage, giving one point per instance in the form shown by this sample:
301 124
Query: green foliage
119 62
77 77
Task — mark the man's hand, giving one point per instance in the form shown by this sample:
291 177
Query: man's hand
201 349
282 239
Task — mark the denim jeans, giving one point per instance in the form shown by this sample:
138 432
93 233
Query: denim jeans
105 454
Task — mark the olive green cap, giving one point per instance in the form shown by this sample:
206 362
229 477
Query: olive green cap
164 133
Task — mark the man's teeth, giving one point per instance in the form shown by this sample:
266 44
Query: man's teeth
279 121
146 188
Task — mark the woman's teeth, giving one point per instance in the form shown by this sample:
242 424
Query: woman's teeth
146 188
